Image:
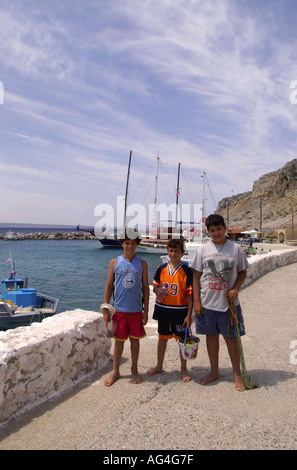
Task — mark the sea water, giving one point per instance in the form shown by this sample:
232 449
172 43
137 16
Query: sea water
74 271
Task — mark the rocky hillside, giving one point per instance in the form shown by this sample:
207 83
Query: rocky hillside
272 200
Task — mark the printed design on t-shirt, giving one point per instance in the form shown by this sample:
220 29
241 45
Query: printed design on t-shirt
217 271
173 289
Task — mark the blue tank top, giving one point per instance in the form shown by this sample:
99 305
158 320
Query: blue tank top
128 285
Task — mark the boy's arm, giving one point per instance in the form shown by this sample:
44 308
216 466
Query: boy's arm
198 309
145 292
108 290
157 287
233 293
188 319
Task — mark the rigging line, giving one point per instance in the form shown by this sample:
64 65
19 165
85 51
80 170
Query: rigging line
213 200
192 197
164 180
107 182
145 198
140 186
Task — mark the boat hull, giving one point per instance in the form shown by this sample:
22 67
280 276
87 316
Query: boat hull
8 322
109 242
12 316
152 246
192 247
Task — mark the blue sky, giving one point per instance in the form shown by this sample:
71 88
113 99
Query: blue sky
203 83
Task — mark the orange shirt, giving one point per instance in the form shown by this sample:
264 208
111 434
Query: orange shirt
179 285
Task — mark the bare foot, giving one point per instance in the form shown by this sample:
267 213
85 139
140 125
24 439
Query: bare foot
154 370
111 379
209 378
136 378
239 384
185 376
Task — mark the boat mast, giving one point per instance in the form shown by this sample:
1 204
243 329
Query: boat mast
177 195
10 260
126 192
156 181
154 221
203 204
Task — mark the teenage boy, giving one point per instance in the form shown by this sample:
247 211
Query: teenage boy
219 270
128 280
174 301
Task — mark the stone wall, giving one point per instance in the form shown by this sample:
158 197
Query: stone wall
45 359
264 263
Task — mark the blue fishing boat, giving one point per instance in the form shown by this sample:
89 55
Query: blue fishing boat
21 305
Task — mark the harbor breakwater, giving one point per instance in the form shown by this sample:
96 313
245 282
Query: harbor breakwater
44 360
50 236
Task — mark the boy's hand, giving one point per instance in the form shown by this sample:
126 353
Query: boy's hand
106 316
232 295
144 318
198 309
188 321
160 296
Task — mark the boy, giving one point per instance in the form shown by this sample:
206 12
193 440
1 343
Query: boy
128 278
173 307
219 270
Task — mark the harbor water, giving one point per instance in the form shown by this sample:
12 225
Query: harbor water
74 271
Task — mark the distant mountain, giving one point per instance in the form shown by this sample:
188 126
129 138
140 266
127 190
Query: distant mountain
272 200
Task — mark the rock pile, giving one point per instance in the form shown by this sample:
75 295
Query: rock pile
53 236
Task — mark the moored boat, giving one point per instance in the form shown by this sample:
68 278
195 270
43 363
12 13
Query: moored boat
154 246
21 305
12 236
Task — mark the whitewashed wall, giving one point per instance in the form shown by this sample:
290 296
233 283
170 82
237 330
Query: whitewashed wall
263 264
45 359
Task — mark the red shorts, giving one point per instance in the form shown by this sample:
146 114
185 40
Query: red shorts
128 325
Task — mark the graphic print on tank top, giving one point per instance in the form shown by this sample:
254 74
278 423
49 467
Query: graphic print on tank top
128 280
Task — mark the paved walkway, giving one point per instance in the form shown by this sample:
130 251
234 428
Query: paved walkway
165 413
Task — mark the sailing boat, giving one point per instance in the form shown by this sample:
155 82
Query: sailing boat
112 241
106 240
195 240
153 244
196 236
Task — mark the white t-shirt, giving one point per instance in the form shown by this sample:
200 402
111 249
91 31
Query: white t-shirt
219 265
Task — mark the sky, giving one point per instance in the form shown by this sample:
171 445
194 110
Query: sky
207 84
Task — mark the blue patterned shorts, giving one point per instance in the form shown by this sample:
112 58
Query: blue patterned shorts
213 322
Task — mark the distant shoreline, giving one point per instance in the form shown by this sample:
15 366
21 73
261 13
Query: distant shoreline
20 224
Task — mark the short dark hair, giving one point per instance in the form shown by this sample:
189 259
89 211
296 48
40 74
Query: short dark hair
176 243
214 219
130 233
